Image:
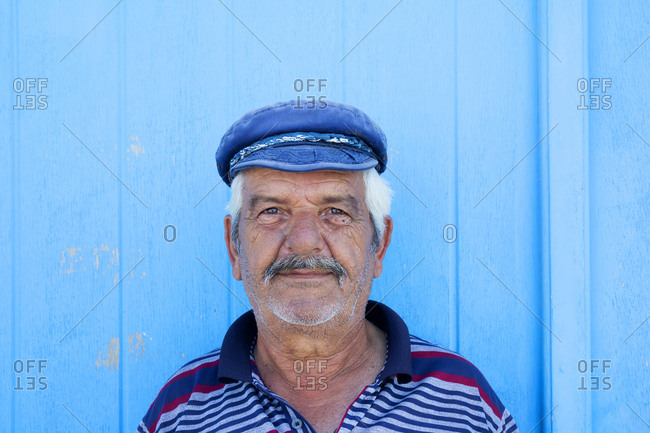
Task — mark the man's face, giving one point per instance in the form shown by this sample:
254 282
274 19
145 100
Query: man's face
319 214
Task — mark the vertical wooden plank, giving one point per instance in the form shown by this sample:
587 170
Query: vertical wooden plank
174 308
409 92
498 225
569 214
454 289
8 219
620 210
547 339
67 253
120 79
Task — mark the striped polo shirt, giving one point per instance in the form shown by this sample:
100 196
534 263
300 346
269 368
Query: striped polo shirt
421 388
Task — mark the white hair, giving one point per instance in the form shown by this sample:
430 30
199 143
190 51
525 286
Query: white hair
377 192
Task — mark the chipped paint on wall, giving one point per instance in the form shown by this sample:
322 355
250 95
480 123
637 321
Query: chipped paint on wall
70 257
104 258
133 274
137 349
111 358
138 345
136 147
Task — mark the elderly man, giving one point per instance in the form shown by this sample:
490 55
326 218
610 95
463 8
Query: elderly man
307 232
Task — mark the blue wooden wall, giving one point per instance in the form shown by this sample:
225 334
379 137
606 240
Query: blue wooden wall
521 210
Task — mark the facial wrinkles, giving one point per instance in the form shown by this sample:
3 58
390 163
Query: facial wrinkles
277 307
248 281
327 312
362 282
330 307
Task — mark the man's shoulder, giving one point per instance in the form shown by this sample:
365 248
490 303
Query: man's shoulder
432 352
199 376
446 372
429 357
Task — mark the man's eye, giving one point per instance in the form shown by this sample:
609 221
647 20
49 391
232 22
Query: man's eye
271 211
337 216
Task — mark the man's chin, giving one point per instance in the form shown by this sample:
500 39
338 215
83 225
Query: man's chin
310 313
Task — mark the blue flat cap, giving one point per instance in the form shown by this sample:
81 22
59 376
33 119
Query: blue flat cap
299 137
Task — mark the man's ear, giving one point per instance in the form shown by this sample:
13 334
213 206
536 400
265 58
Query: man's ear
233 254
383 246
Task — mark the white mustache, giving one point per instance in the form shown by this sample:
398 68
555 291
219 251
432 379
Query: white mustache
295 262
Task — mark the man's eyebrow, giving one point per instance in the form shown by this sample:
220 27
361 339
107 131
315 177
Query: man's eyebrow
330 199
259 198
349 199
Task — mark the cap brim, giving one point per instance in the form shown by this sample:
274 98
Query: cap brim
303 157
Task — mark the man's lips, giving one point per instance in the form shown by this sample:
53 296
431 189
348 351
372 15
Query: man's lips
305 273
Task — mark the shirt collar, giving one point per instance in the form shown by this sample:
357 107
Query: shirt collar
234 361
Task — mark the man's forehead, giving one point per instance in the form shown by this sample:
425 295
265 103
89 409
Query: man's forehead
262 184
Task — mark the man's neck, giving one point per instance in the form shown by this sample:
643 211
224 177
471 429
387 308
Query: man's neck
289 356
321 378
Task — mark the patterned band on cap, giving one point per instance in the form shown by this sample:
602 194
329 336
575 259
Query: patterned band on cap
339 140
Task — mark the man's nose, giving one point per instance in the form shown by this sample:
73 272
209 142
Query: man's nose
303 235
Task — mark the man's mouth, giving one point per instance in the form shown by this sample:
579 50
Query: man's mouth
305 273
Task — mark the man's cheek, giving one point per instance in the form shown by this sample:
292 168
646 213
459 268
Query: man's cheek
354 235
252 238
265 237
